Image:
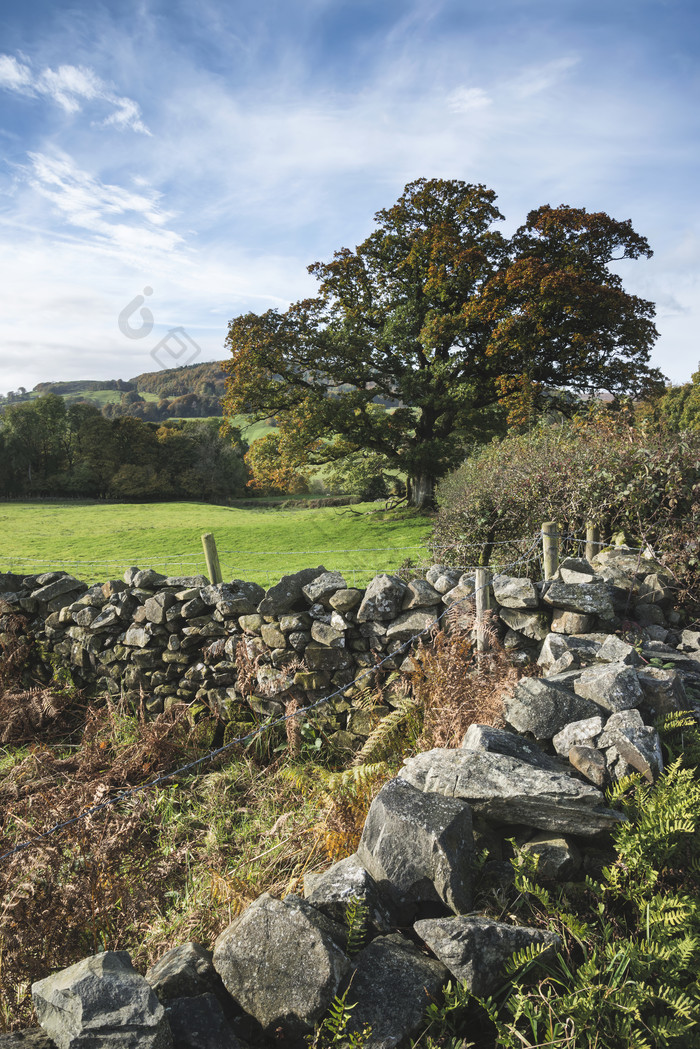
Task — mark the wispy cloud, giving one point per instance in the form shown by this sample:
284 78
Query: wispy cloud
84 201
71 87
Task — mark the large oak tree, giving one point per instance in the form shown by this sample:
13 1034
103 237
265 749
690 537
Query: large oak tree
441 315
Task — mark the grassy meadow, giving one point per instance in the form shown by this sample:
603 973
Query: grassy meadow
97 541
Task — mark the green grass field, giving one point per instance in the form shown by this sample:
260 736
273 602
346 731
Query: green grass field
98 541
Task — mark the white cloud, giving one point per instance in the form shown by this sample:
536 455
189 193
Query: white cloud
86 202
70 87
465 99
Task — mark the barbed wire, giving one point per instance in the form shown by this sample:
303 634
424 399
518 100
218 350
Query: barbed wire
282 719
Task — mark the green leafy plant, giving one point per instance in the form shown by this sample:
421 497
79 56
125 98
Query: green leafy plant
333 1030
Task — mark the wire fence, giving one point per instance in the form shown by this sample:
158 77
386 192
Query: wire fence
531 556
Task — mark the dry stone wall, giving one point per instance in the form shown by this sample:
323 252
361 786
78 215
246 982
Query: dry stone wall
276 969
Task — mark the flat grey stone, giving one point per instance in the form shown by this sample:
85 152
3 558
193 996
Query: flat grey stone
571 622
327 635
30 1038
99 1003
510 791
282 962
64 585
534 625
411 623
578 734
322 588
498 741
419 847
575 570
475 949
586 598
392 984
512 592
543 709
613 686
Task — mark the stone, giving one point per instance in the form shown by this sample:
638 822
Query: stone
556 645
587 598
539 707
578 734
558 859
532 624
108 618
575 570
180 581
420 594
288 595
505 789
294 622
328 635
649 615
391 986
568 661
654 589
382 600
322 588
332 890
412 623
66 584
86 616
272 635
273 681
237 598
663 690
139 636
145 579
475 948
442 578
30 1038
512 592
99 1003
615 650
690 640
199 1022
282 961
156 607
345 600
590 763
613 686
462 594
571 622
638 744
183 972
419 847
498 741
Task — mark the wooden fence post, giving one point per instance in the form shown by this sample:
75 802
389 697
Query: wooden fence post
482 596
212 558
593 543
550 548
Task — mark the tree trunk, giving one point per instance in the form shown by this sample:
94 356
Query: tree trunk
421 491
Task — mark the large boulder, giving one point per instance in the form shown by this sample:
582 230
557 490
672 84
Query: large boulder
282 960
612 686
543 709
200 1023
99 1003
499 741
392 984
288 594
512 592
419 847
505 789
383 599
475 948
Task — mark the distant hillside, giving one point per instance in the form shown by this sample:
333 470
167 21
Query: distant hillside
190 392
205 378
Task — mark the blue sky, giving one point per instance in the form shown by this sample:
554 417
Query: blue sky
210 152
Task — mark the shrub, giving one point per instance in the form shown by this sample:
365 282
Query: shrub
598 468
